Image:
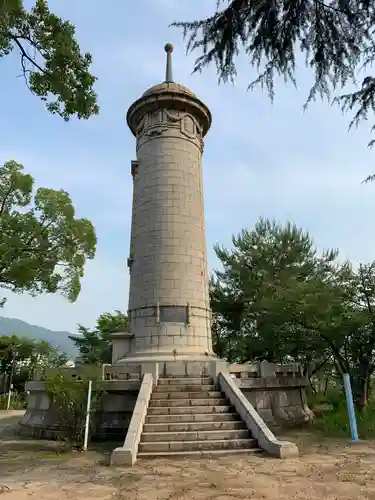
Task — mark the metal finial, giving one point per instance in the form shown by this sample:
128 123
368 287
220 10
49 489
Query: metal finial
168 71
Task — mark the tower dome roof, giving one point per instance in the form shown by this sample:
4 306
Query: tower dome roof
169 94
168 87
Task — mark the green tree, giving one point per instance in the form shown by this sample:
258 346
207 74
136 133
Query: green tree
95 346
51 60
69 398
357 356
21 356
277 299
268 269
334 38
43 246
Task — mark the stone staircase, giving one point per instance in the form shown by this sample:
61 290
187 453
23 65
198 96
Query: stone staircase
189 416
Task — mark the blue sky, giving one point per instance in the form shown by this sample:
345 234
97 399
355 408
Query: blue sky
260 159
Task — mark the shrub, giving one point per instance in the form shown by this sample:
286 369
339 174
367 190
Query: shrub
17 401
69 397
335 422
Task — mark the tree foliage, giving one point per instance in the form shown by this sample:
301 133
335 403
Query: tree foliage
22 356
43 246
51 60
69 397
95 346
278 299
335 38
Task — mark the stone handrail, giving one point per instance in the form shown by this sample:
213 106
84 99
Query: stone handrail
121 372
259 430
104 372
77 373
127 454
265 369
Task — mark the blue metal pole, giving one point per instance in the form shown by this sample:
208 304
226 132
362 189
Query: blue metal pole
350 407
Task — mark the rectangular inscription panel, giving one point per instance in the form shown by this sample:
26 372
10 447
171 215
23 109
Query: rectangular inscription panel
173 314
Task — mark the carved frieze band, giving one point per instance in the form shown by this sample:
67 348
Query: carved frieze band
158 122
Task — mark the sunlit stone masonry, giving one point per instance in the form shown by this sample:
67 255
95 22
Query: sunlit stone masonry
169 309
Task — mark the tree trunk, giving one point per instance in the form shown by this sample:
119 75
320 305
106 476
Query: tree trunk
361 389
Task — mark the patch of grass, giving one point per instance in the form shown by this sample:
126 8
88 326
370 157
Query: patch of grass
333 398
17 402
333 421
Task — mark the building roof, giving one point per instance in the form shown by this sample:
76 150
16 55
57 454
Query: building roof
168 87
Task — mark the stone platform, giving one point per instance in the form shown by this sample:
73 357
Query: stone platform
275 392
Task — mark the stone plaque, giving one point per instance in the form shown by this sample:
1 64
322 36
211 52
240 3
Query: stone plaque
173 314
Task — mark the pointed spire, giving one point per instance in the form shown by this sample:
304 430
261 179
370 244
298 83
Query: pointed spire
168 71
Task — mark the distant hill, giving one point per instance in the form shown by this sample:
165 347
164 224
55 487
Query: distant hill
9 326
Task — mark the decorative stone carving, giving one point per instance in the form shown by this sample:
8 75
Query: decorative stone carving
174 314
141 126
158 122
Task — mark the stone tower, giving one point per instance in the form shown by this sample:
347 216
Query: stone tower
169 310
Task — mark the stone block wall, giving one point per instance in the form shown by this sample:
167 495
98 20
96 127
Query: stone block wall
169 307
276 391
120 384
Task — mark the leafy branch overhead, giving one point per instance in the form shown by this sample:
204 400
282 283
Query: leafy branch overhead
43 246
335 37
51 60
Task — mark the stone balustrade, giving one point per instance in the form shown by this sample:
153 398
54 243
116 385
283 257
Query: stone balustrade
121 372
103 372
265 375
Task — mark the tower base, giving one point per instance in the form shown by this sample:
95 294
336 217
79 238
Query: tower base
180 366
162 357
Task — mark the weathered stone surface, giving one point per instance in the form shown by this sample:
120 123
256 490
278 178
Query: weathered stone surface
205 425
181 410
214 416
176 446
169 310
186 394
127 454
170 403
183 388
183 381
181 420
258 428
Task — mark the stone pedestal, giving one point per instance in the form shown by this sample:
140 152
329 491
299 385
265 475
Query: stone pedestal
121 345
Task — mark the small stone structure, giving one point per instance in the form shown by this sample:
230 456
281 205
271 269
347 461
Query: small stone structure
168 348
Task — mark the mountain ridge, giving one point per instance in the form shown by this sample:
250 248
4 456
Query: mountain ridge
10 326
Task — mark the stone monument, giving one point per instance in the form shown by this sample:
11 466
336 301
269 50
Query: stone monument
165 391
169 310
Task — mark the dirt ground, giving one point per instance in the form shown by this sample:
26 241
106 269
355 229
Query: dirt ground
325 470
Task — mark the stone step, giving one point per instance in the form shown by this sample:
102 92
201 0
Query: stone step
211 435
200 453
226 425
206 445
188 402
188 410
185 381
184 388
195 417
184 395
